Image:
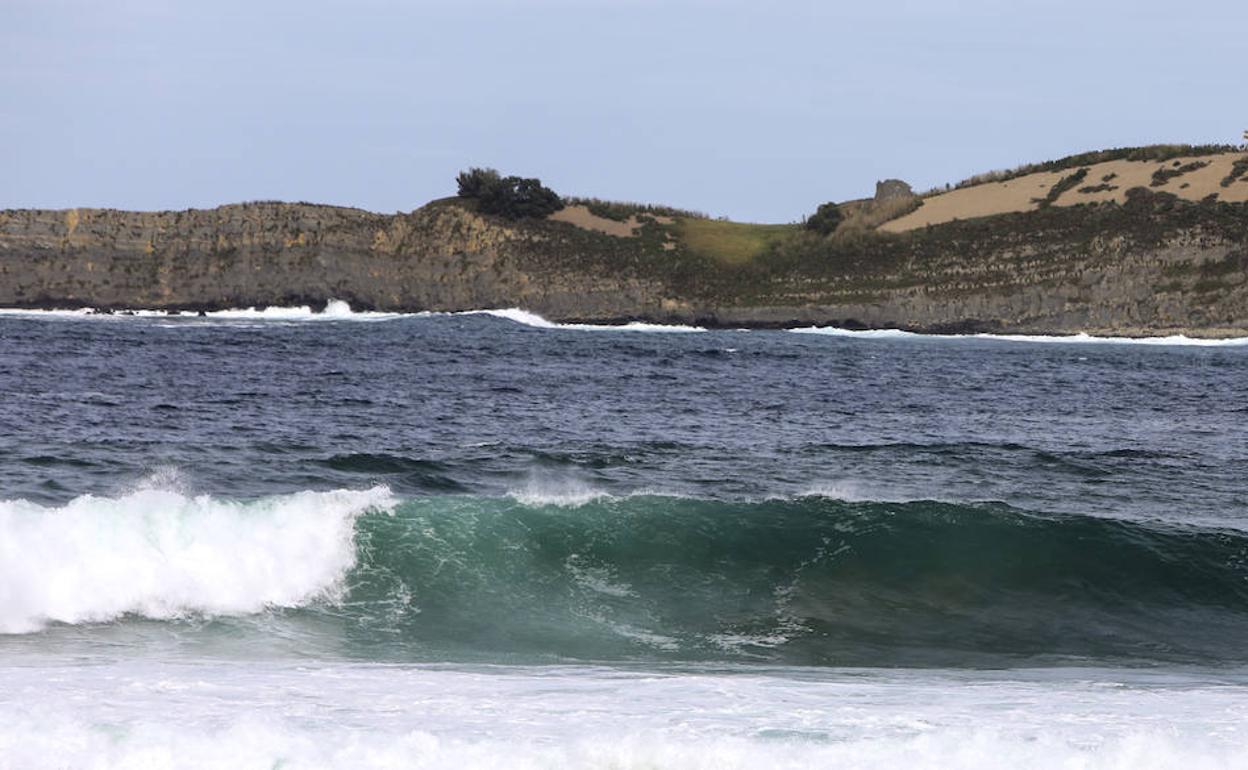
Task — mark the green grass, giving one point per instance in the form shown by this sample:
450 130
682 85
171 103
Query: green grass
733 243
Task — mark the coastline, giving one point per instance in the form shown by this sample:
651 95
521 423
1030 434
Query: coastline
340 310
1152 268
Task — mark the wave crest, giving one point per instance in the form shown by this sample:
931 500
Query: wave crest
159 553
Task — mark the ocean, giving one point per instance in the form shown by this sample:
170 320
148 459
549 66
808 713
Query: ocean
292 540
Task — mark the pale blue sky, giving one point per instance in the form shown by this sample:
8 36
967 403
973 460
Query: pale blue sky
756 110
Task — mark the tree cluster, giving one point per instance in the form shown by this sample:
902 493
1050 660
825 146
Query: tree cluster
512 197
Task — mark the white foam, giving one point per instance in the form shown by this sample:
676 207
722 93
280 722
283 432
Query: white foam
844 491
536 321
304 714
264 744
160 553
338 310
1081 338
335 310
557 492
857 491
85 312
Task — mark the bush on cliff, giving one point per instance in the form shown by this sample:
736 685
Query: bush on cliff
475 181
825 220
512 197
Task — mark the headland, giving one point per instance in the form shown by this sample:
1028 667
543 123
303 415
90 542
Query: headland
1130 242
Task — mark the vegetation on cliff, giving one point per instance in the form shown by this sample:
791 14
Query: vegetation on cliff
825 220
511 197
1154 152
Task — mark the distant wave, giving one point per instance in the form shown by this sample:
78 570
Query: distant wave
1081 338
335 310
338 310
536 321
556 573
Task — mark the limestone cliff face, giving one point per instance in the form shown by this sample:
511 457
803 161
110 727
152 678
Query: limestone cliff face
1137 271
436 258
1191 281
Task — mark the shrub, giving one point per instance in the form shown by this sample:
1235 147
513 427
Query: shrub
1238 169
620 211
512 197
1062 185
825 220
1096 188
1163 175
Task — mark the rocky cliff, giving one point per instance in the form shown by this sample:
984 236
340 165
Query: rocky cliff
1152 265
441 257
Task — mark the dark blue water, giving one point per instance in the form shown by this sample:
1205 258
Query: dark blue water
561 494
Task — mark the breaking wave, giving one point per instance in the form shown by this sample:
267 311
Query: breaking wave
577 574
159 553
532 319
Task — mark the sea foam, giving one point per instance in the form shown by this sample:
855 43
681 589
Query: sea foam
338 310
302 714
1080 338
262 744
536 321
335 310
160 553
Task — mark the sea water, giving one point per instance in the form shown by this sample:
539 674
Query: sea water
288 539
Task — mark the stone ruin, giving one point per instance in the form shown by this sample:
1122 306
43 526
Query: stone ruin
891 189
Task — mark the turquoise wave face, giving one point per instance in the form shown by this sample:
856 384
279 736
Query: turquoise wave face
810 581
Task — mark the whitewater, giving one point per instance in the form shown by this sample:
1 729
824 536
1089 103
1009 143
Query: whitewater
339 310
280 538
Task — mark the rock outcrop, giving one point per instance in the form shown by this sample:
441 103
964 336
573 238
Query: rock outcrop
891 189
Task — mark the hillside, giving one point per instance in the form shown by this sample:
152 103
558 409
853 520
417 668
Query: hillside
1193 177
1110 245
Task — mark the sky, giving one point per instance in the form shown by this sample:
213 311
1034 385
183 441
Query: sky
757 110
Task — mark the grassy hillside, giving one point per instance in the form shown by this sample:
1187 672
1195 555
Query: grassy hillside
732 243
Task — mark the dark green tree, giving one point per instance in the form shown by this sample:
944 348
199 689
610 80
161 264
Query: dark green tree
825 220
512 197
474 182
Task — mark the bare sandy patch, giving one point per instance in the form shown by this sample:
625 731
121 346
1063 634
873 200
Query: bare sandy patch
1193 185
583 218
1115 177
979 201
